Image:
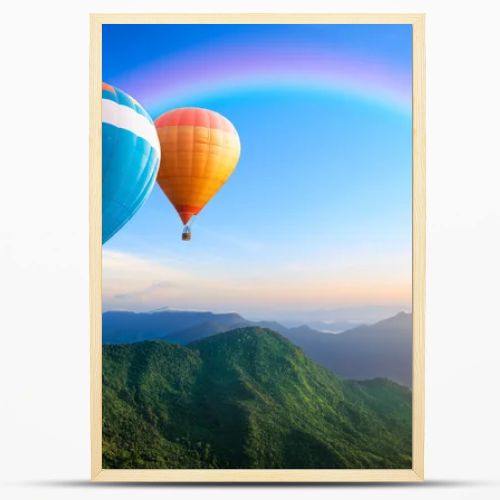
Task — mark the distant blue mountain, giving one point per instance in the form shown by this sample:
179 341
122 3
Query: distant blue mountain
125 327
380 350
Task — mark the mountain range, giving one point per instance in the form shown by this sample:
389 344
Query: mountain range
383 349
245 398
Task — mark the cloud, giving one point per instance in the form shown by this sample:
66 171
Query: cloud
161 285
134 282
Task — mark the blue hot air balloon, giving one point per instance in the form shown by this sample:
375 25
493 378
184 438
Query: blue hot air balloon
130 158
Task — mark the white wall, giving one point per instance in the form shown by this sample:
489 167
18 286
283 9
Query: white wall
44 372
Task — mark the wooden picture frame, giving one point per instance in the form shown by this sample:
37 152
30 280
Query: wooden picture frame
95 249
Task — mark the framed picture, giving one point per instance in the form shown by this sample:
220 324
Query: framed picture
257 247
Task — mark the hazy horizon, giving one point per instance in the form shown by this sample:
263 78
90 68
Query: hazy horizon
356 315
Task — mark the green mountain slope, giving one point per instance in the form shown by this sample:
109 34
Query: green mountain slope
247 398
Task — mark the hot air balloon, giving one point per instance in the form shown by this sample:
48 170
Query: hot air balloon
199 151
130 158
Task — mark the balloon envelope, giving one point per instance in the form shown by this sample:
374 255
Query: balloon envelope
199 151
130 158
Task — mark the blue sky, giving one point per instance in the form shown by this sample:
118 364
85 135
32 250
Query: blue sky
318 211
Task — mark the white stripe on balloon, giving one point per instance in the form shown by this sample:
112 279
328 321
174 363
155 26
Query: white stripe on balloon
127 118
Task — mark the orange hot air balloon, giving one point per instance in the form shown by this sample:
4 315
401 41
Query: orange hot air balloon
199 151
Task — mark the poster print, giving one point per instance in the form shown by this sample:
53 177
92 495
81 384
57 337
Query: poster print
257 247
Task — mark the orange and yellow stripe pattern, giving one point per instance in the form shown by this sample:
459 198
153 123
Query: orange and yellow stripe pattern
199 151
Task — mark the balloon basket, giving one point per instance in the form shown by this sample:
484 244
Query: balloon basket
186 234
